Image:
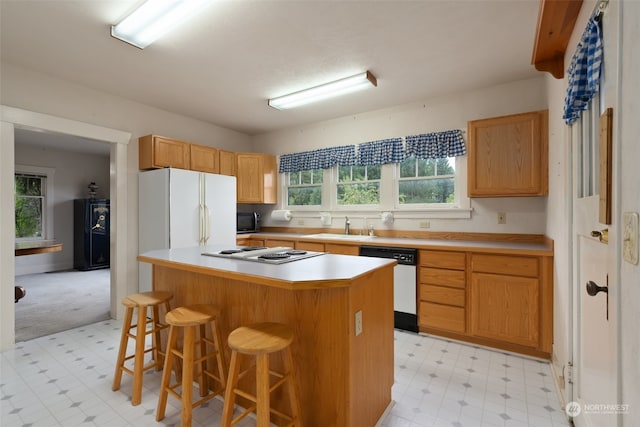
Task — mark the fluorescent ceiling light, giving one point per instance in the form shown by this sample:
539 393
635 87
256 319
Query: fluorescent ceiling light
328 90
153 19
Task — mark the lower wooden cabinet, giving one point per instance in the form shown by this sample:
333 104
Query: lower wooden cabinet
310 246
272 243
336 248
249 242
498 300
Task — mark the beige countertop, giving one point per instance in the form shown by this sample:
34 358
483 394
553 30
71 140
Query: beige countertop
324 271
537 248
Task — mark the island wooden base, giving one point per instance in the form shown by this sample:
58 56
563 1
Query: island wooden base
343 379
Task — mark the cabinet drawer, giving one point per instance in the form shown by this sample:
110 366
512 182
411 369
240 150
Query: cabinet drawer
272 243
439 276
310 246
442 259
505 264
442 317
334 248
442 295
249 242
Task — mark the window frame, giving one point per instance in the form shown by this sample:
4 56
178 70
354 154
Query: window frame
47 208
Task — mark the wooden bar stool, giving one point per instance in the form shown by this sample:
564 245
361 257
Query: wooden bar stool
191 319
142 302
261 340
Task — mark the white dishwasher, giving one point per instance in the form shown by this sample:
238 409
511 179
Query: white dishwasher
404 283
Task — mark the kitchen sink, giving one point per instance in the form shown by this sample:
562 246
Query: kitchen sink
335 236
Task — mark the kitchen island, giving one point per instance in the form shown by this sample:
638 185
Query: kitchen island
344 374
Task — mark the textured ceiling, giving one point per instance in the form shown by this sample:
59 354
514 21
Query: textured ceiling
223 65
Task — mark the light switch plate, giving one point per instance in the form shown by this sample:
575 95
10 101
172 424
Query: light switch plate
630 237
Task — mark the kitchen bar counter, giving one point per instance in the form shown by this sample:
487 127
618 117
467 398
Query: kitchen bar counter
344 375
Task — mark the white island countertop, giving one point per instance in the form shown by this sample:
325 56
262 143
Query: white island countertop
324 271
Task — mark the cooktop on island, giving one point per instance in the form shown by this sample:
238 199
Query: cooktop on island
277 255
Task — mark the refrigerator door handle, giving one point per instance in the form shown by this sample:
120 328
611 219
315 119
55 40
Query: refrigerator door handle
207 221
201 226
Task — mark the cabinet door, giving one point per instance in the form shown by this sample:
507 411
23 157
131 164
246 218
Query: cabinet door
204 159
508 156
257 178
159 152
505 308
227 163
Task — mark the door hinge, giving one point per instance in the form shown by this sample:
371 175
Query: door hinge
569 372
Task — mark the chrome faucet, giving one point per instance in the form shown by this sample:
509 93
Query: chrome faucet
346 225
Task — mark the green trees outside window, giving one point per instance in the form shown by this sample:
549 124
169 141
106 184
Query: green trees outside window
426 181
29 206
359 185
305 188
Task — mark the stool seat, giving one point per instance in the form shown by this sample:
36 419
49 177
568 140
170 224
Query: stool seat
146 298
142 302
197 353
192 315
260 338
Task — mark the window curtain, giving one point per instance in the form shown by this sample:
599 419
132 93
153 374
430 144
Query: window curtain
436 145
323 158
584 72
380 152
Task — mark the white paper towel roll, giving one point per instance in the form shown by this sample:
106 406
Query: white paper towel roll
281 215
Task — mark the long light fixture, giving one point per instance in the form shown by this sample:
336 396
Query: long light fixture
153 19
327 90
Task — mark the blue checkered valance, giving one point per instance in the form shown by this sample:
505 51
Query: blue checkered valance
584 72
436 145
322 158
380 152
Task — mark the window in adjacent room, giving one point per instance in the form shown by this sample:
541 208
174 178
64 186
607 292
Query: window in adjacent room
426 181
33 208
304 188
358 185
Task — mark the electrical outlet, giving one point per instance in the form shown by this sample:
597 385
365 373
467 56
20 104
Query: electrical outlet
358 322
425 224
502 217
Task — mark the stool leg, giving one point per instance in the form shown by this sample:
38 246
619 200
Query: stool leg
229 395
217 341
156 339
293 395
138 361
166 374
124 340
203 366
187 374
262 392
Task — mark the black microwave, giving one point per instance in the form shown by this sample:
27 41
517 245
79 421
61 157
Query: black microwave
247 222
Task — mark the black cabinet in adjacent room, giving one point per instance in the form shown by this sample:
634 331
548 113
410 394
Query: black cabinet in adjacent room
90 234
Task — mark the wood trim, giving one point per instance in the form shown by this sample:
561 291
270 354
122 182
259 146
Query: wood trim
605 143
556 20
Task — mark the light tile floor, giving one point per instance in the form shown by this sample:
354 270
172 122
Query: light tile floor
65 380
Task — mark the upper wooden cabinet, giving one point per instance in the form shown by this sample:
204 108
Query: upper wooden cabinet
508 156
204 159
159 152
227 163
257 178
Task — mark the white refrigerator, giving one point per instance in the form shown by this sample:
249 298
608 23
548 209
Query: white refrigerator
180 208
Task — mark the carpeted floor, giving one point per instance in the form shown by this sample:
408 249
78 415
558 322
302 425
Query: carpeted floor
61 300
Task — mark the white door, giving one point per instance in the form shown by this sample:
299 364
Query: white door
220 209
594 327
184 208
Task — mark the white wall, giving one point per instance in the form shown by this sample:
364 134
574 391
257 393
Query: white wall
73 172
524 214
